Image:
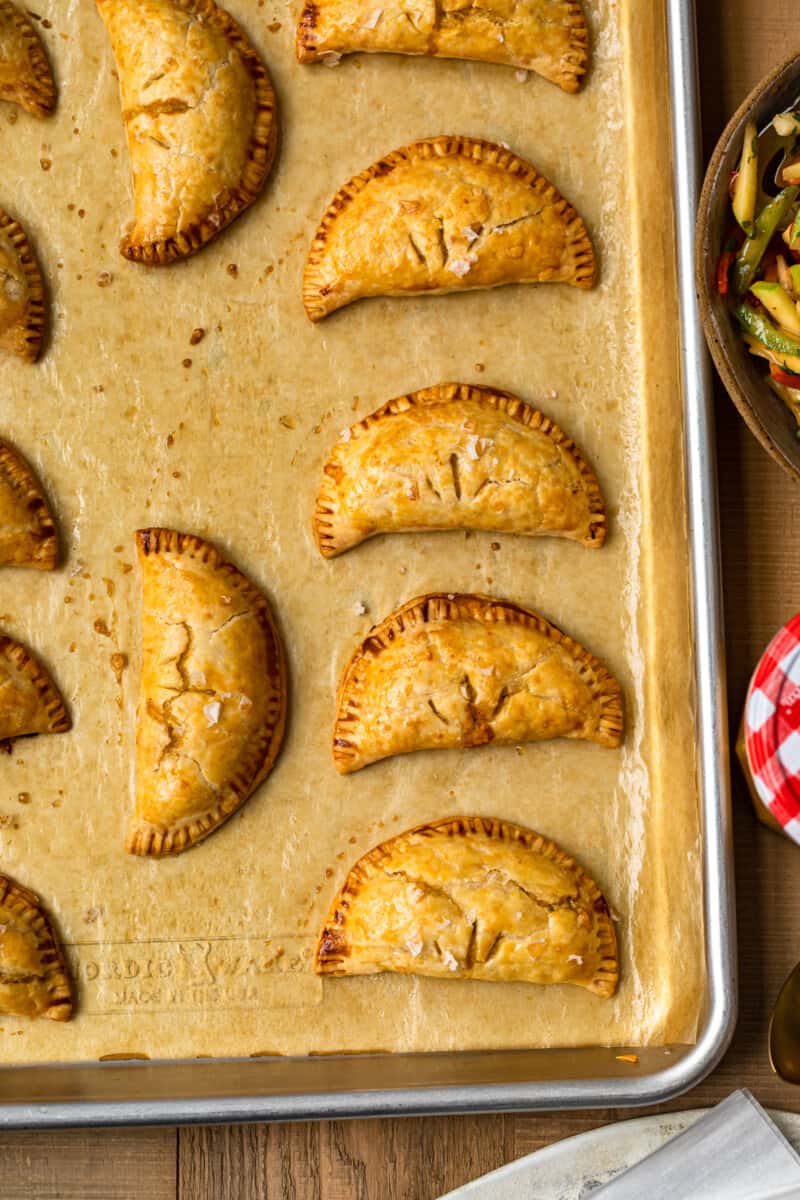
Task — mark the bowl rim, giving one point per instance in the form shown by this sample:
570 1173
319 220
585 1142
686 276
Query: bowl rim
722 362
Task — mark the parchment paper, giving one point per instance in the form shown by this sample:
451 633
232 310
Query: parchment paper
211 953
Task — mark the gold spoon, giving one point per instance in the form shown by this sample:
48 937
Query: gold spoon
784 1030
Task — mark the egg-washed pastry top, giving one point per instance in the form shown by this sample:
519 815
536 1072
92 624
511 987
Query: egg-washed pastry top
471 898
212 694
22 308
199 114
456 456
454 671
28 536
549 37
442 215
33 975
25 75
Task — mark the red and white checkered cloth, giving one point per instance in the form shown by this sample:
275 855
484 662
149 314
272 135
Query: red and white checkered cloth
772 727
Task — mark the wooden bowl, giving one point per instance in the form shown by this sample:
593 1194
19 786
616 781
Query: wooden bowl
743 375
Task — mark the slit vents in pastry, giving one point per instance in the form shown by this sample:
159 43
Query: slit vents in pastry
456 457
25 75
546 36
442 215
199 114
33 975
22 316
212 697
29 700
471 898
457 671
28 535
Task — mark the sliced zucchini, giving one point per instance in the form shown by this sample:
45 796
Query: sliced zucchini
779 304
745 188
765 332
765 225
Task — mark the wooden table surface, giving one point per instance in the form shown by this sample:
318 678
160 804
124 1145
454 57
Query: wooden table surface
418 1159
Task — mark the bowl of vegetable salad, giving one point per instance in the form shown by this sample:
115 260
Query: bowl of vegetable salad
748 262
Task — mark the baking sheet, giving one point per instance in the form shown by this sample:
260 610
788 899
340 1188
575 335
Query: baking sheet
211 953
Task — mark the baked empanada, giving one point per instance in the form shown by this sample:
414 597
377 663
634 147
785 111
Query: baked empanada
29 700
28 535
199 113
456 671
456 457
212 697
442 215
25 75
472 898
546 36
33 975
22 315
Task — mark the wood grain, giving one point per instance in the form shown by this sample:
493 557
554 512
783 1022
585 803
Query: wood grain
89 1165
419 1159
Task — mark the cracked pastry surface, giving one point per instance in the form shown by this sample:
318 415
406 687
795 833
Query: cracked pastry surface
22 312
441 215
30 702
456 456
33 975
455 671
471 898
549 37
212 695
200 119
25 75
28 535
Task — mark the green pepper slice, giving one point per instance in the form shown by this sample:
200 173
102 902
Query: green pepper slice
752 251
764 331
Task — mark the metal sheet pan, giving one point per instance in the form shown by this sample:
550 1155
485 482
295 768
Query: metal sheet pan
374 1085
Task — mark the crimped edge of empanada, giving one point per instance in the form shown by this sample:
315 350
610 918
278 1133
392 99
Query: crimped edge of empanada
145 838
263 145
21 657
16 471
33 322
568 75
455 606
581 251
326 509
332 948
29 907
37 98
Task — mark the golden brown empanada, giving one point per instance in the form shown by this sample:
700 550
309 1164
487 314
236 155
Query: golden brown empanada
33 975
28 535
442 215
29 700
25 75
472 898
212 697
22 315
456 457
199 113
546 36
456 671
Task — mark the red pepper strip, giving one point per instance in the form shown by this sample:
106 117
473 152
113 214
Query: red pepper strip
787 378
723 267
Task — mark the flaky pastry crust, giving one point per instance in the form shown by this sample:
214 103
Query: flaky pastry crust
212 695
442 215
33 975
30 702
200 118
457 671
22 311
28 536
25 75
549 37
472 898
456 456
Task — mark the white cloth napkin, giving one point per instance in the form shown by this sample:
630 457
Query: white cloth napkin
732 1152
735 1151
